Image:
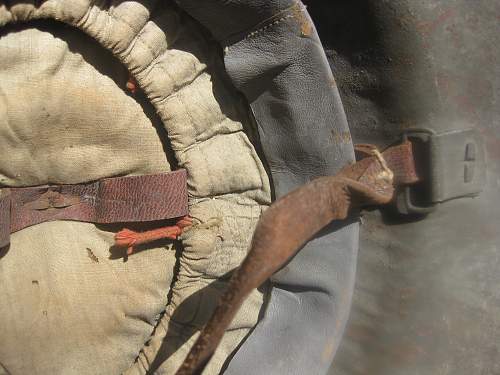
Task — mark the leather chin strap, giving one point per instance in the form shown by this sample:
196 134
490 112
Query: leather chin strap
283 229
111 200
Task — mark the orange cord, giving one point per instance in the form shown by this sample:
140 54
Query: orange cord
128 238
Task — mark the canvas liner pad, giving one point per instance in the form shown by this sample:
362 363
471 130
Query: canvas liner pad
67 118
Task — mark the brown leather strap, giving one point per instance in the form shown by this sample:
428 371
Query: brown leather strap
295 218
400 160
4 217
110 200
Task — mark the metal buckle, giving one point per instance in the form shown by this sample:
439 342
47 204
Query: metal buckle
452 165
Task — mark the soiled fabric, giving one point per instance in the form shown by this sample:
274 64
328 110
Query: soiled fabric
69 308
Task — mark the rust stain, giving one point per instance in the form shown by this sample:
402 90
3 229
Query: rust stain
306 27
328 350
361 333
492 140
405 295
407 353
427 28
343 137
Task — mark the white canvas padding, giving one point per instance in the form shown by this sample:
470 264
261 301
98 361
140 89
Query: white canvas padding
194 109
63 121
208 254
66 307
67 312
183 77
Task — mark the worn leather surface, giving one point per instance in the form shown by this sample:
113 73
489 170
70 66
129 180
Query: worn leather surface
275 59
111 200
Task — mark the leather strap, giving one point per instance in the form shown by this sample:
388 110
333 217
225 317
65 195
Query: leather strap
295 218
111 200
4 217
400 159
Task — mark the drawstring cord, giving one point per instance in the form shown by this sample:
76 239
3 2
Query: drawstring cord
129 239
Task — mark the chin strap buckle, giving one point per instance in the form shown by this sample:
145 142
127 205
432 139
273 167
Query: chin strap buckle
450 165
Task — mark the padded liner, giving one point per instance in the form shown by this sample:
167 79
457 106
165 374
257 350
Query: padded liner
180 72
66 306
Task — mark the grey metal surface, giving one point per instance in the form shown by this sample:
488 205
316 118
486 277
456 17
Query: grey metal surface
426 298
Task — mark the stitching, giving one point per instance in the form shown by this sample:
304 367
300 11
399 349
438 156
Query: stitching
262 29
177 87
292 12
